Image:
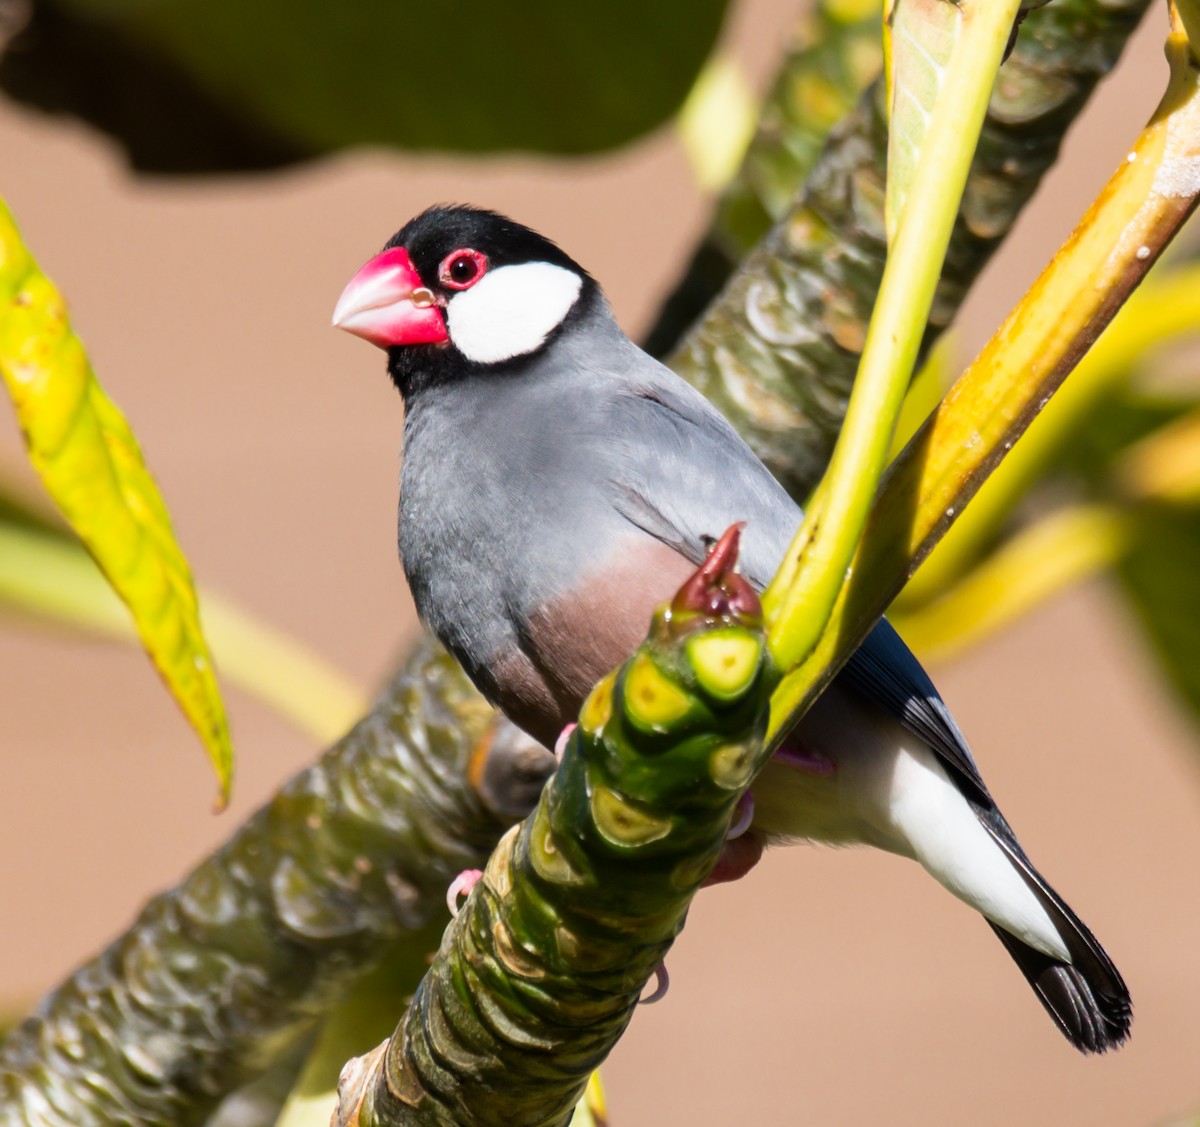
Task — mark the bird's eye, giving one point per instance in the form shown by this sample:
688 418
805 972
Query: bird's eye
462 269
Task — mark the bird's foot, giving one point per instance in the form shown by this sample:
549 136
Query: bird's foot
560 744
743 848
739 856
461 885
662 983
805 759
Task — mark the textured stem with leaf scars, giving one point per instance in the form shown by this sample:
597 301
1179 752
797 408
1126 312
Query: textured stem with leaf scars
540 973
835 56
777 351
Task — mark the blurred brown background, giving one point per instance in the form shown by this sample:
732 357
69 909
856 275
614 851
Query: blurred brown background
830 987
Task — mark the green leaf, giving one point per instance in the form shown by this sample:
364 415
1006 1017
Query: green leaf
802 596
922 39
1159 576
89 461
191 85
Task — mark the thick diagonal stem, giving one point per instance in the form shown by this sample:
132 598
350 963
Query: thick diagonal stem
540 974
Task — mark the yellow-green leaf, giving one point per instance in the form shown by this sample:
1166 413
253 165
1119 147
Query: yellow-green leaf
89 461
1032 567
801 597
920 37
716 122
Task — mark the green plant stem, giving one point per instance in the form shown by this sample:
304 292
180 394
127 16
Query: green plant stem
540 973
800 598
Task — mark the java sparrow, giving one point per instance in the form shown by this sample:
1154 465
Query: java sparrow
558 483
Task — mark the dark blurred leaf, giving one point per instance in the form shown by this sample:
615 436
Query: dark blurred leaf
1116 423
1160 576
215 85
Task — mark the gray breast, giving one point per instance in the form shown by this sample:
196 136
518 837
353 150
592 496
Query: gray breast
501 505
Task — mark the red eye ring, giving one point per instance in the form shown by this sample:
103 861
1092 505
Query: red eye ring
461 269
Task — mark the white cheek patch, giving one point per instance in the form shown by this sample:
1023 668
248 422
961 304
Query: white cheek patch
511 310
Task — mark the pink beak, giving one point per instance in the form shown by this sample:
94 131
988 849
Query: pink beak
387 304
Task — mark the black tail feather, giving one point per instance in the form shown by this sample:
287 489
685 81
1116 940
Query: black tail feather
1092 1009
1087 998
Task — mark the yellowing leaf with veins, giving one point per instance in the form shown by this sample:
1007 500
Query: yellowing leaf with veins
90 463
921 37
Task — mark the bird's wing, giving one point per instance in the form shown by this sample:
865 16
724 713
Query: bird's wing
682 474
885 670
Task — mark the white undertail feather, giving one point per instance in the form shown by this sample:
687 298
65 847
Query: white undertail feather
947 838
511 310
889 790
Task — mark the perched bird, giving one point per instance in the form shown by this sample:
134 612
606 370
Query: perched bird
558 483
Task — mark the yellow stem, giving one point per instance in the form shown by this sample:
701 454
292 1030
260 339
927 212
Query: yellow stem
1165 308
1137 213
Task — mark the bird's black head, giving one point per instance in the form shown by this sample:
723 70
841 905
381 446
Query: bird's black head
460 290
441 230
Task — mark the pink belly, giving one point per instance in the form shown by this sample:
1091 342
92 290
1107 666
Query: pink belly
574 640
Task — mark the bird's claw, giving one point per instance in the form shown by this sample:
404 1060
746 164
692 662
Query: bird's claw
738 857
560 744
743 815
662 983
461 885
